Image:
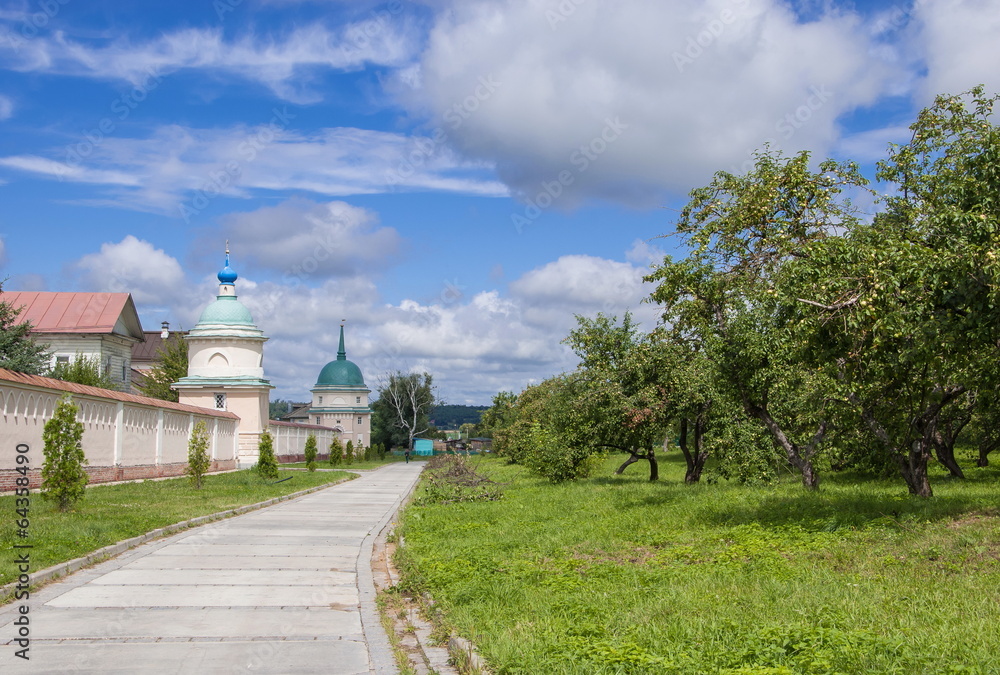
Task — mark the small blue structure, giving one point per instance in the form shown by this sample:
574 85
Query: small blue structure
423 446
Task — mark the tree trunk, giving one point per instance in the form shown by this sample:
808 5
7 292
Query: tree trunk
628 462
945 453
800 460
695 460
654 468
913 466
985 448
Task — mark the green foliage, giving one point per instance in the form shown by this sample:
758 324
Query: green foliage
378 450
368 453
349 452
402 410
198 459
18 352
279 407
171 365
63 479
84 370
448 416
336 452
267 463
310 452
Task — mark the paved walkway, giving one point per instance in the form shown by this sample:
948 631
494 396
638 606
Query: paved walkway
286 589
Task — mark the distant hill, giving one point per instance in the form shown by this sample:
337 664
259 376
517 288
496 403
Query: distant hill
454 416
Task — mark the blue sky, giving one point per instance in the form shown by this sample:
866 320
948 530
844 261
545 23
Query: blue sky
456 178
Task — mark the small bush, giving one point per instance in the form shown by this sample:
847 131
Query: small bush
349 453
336 452
267 463
311 453
63 478
198 459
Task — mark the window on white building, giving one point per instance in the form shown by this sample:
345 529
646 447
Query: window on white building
321 400
220 401
62 359
124 373
359 421
359 399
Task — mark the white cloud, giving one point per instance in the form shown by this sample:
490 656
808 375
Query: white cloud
631 98
957 40
179 170
6 108
284 64
474 346
134 266
3 251
316 240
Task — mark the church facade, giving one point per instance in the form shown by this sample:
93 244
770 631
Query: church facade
340 399
226 366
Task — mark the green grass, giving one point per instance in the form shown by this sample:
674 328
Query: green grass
112 513
374 464
618 575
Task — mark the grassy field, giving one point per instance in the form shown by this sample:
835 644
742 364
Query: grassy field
111 513
617 575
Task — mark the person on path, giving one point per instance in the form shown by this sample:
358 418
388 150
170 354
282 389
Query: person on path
406 453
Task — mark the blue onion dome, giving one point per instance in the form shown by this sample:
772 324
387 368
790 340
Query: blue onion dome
228 274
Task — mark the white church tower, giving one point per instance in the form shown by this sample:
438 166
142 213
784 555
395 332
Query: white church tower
226 365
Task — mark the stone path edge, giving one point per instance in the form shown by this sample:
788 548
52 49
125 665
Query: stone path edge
112 550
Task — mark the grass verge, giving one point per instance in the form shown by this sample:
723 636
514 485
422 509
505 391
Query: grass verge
618 575
112 513
374 464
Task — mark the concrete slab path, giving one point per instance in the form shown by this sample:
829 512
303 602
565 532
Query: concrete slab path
286 589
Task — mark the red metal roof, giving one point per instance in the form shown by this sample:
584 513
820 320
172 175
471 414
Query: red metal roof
51 312
85 390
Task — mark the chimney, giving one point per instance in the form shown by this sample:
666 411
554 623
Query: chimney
164 330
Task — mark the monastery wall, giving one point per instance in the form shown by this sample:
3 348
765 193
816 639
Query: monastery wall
290 440
125 437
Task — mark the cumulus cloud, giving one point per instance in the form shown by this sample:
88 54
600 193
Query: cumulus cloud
662 95
957 40
317 239
180 171
134 266
283 63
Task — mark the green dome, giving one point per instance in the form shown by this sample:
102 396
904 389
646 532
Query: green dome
340 373
226 310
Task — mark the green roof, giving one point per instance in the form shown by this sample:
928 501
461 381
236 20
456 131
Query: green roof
340 373
226 310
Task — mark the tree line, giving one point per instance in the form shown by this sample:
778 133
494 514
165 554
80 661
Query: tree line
798 333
